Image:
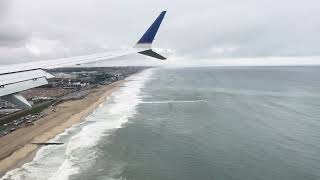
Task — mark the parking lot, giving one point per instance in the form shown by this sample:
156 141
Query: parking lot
28 120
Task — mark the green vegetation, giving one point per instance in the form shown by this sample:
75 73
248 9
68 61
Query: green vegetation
34 110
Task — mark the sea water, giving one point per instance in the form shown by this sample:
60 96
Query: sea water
195 123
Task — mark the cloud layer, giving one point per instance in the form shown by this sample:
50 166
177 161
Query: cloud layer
31 29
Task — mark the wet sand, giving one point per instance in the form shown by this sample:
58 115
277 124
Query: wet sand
16 148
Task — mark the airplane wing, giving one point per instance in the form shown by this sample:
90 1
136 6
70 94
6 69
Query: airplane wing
19 77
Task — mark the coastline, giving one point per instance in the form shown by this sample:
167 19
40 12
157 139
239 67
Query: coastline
16 149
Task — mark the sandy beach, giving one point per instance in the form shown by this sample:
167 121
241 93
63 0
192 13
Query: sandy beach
16 148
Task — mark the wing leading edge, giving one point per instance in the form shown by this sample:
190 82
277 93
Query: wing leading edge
18 77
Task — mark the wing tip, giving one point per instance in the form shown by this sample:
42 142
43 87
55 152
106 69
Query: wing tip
150 34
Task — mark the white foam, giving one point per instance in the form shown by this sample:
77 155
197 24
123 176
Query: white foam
166 102
60 162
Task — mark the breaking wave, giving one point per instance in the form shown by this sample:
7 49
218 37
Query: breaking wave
173 101
80 141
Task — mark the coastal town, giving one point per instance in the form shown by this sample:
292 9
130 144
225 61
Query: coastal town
68 84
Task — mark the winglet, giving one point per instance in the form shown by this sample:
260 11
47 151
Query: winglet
149 35
144 44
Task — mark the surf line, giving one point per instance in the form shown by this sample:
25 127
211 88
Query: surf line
165 102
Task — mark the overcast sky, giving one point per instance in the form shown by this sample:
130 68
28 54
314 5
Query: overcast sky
40 29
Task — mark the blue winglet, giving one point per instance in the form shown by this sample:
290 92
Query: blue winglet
149 35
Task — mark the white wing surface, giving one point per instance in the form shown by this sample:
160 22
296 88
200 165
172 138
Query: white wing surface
19 77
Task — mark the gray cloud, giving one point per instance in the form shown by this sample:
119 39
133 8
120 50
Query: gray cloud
4 6
199 29
12 36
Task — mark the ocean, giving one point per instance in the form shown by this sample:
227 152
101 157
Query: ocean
235 123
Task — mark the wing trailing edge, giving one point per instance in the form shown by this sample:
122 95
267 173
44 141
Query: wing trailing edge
153 54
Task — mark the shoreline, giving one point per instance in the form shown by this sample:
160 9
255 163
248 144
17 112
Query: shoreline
16 149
